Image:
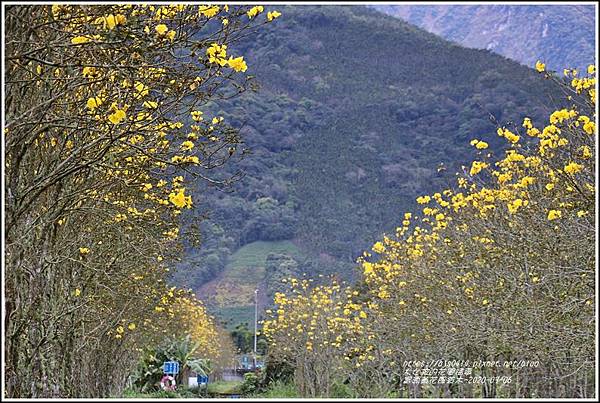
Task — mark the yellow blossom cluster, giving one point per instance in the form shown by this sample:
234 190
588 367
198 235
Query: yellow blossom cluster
318 320
508 240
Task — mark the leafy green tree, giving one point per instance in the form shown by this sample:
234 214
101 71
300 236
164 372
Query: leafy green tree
243 338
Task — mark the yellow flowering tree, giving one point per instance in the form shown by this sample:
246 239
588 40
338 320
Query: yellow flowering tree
311 330
104 130
501 267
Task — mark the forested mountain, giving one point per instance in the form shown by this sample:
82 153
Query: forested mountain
357 114
560 35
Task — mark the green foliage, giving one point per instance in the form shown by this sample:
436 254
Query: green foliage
342 390
243 338
149 371
276 371
200 366
279 267
204 263
250 383
233 316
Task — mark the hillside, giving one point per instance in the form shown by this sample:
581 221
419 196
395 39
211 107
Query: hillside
358 113
231 293
560 35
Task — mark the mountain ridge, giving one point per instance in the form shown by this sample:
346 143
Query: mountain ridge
525 33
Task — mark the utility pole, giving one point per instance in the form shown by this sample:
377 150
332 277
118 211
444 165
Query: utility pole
255 323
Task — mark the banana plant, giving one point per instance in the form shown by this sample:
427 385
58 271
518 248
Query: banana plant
184 350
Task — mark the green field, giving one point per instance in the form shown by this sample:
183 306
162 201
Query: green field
232 301
254 254
224 388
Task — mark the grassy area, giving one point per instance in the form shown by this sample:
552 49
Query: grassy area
254 254
215 389
280 390
224 388
181 392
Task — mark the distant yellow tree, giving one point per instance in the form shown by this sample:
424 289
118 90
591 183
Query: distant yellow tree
311 329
